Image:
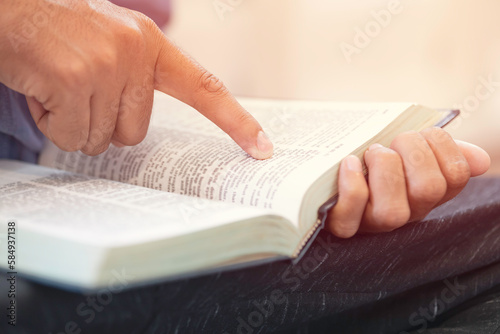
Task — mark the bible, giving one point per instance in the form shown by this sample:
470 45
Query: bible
188 200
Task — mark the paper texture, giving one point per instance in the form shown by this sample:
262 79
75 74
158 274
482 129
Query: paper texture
186 154
99 211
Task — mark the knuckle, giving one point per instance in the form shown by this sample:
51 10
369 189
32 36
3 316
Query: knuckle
74 75
132 32
135 105
134 28
98 142
146 20
430 190
458 173
107 59
140 98
210 84
436 134
107 124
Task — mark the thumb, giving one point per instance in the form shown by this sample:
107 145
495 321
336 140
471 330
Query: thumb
180 76
479 161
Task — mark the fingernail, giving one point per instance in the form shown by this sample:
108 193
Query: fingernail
264 145
353 164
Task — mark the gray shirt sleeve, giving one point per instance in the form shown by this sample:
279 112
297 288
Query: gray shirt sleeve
20 139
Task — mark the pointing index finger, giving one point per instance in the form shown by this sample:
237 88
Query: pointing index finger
182 77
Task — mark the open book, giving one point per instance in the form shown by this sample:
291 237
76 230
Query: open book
187 199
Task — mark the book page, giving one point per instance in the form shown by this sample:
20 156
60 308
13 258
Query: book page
102 212
186 154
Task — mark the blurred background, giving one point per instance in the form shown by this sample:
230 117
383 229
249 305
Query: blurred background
443 54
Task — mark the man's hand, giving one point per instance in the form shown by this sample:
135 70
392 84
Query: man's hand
89 68
405 182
